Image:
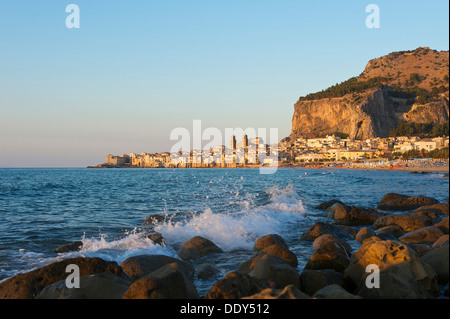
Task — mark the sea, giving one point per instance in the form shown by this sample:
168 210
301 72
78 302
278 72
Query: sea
43 209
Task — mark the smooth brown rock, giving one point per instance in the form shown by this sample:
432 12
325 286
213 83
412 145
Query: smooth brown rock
289 292
364 234
443 225
406 203
440 208
321 228
332 256
313 280
29 285
197 247
168 282
234 286
75 246
426 235
99 286
284 254
269 240
394 260
406 222
139 266
324 240
275 271
441 241
153 219
394 230
438 259
337 208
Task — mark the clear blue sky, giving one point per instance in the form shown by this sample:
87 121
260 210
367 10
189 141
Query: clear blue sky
137 69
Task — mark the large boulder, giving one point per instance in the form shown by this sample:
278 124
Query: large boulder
168 282
234 286
438 259
284 254
289 292
440 208
393 230
275 272
313 280
324 240
30 284
206 271
402 273
405 203
334 292
321 228
356 216
328 204
331 256
269 240
426 235
443 225
99 286
406 222
153 219
75 246
139 266
338 208
197 247
364 234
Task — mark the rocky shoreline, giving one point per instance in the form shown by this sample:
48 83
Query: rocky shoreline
406 238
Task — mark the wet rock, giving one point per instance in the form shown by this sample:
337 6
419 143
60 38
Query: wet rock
99 286
334 292
155 237
29 285
394 230
406 222
275 272
313 280
402 272
423 235
139 266
168 282
289 292
392 196
406 203
324 240
420 249
356 216
75 246
438 259
364 234
269 240
443 225
197 247
206 271
328 204
284 254
443 240
321 228
351 231
338 208
153 219
440 208
235 286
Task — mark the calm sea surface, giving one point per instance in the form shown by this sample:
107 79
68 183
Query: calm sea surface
42 209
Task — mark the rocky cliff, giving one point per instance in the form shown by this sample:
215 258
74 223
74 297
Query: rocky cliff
410 85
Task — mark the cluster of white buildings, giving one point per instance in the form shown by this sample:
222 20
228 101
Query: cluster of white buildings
335 148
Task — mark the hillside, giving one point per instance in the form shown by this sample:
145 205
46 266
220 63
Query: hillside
407 87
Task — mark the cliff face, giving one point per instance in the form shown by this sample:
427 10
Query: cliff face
410 86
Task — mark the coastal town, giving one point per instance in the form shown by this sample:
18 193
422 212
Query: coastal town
330 151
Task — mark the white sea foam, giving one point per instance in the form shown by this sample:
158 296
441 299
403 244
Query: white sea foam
238 230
